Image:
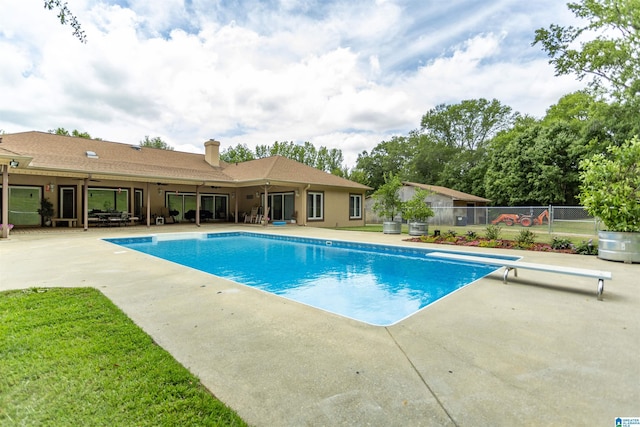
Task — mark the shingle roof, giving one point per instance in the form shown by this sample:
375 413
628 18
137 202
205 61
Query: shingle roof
67 153
57 153
284 170
454 194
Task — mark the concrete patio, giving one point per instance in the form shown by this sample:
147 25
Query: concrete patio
539 351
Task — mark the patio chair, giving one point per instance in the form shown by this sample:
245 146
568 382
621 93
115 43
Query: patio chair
264 216
119 219
250 217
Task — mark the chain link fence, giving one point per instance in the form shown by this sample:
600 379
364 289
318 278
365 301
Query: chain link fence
550 219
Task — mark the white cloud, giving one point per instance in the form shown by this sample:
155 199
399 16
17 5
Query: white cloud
341 74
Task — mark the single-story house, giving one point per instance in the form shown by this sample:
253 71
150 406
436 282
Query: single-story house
85 178
451 207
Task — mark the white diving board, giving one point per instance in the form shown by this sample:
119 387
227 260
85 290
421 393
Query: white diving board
514 265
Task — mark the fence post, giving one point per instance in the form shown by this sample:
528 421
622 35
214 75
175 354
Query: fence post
550 219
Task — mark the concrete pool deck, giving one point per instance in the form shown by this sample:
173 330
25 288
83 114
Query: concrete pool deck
539 351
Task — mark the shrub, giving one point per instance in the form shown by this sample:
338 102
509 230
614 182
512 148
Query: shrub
610 186
450 236
470 235
416 208
561 243
489 244
586 248
429 239
525 239
450 233
493 232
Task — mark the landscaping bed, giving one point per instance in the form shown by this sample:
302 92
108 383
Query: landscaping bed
525 240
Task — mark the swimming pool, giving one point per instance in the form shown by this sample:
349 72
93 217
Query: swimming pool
376 284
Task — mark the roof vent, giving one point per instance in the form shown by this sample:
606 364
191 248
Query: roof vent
92 155
136 147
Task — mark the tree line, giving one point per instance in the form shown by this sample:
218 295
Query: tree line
484 148
323 158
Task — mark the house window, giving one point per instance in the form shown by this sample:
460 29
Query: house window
24 203
355 206
315 206
108 199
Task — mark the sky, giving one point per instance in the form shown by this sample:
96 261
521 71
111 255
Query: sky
343 74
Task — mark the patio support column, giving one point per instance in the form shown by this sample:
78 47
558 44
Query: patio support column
197 205
85 205
266 204
132 203
303 205
148 207
5 201
235 197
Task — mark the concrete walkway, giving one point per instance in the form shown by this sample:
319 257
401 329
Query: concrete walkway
538 351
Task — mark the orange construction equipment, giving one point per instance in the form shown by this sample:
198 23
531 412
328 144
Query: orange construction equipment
523 220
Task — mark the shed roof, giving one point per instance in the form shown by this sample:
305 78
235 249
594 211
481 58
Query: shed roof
454 194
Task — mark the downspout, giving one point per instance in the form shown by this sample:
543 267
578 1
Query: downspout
5 201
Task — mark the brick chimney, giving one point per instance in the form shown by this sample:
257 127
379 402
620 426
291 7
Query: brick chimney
212 152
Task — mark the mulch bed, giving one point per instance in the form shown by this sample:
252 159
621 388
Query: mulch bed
486 243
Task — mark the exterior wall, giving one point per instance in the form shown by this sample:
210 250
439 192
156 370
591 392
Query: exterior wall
239 200
336 210
51 188
406 193
442 216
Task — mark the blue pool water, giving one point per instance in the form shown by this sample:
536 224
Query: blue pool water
375 284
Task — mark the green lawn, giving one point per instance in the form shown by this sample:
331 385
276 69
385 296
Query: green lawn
70 357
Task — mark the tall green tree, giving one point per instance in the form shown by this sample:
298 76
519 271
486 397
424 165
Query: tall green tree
506 181
575 108
430 158
62 131
79 134
155 142
465 129
328 160
465 171
239 153
534 163
469 124
387 158
606 47
599 123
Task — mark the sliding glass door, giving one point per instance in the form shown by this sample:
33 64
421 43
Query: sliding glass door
281 206
215 204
